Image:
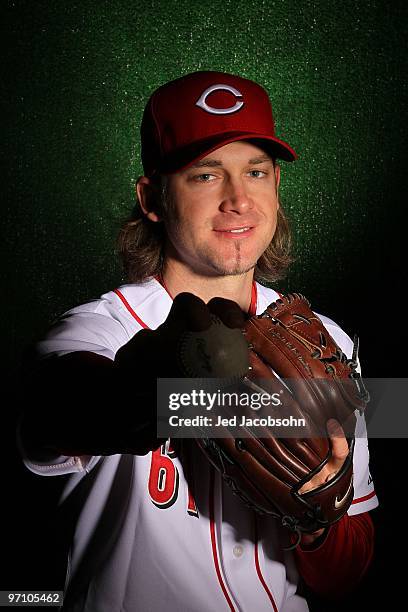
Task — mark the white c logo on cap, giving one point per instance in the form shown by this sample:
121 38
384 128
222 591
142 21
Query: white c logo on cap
220 111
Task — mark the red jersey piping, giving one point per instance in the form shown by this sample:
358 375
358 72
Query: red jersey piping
258 568
214 541
362 499
130 309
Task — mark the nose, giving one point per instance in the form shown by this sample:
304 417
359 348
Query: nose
235 197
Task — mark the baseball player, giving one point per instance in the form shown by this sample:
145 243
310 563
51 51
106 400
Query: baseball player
156 528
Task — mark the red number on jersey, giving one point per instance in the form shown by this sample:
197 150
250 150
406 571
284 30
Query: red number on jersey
163 479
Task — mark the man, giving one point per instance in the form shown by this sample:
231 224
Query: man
154 525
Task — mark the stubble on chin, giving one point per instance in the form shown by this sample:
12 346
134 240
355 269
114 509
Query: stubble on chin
234 267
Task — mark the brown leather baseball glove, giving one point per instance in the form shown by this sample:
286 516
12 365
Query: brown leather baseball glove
293 354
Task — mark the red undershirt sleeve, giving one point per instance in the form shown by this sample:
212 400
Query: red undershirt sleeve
334 567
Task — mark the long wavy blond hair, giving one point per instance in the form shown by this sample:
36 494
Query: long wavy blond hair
141 242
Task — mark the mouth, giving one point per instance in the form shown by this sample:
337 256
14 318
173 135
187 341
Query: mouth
235 232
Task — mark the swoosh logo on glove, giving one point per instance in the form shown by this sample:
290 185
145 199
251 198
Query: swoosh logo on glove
338 503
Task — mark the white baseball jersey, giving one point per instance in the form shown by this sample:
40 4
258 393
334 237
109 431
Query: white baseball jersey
162 532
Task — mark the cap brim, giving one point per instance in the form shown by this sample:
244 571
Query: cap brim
183 158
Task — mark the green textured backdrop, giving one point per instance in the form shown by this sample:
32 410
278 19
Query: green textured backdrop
80 73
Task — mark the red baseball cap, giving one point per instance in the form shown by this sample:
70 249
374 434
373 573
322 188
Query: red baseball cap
189 117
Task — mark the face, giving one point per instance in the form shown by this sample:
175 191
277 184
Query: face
224 210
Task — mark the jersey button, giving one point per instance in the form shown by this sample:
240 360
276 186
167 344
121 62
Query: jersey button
238 550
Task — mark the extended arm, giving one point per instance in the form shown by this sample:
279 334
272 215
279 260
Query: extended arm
84 404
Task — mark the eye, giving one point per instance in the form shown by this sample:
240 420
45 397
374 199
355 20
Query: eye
203 178
258 173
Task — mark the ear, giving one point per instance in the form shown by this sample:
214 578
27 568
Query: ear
146 192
